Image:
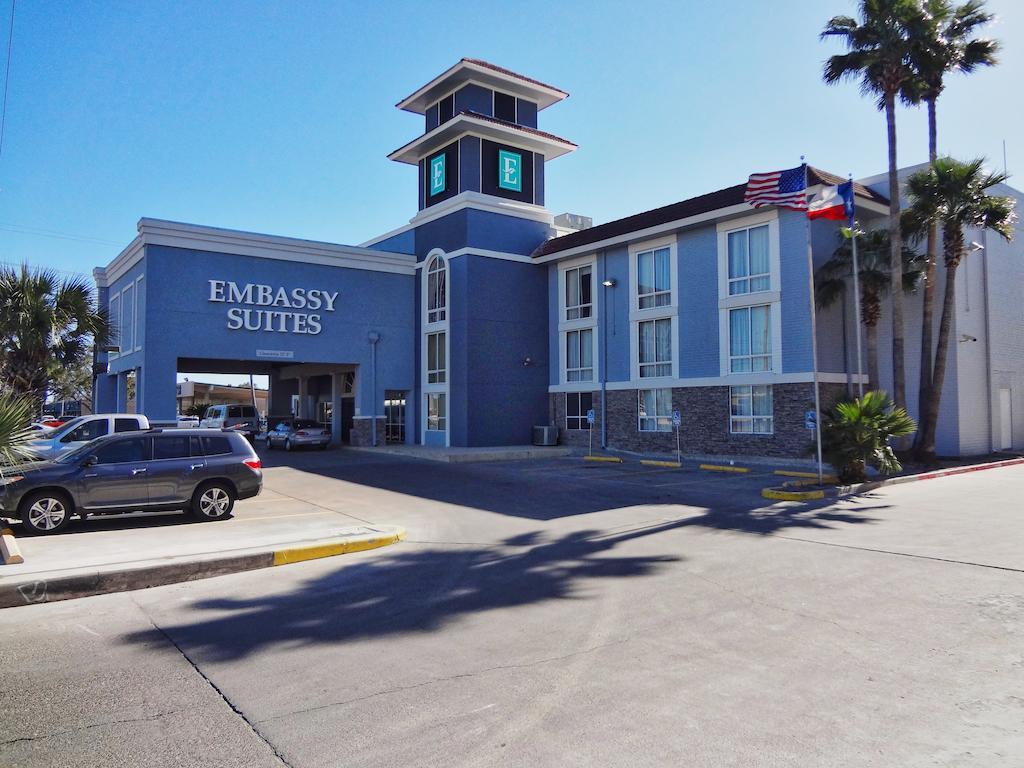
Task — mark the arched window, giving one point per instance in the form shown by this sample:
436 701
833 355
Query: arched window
437 290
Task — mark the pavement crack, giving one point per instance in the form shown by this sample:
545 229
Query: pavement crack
105 723
448 678
214 686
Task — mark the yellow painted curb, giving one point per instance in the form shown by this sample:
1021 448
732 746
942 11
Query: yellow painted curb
723 468
809 475
9 549
772 493
315 551
653 463
612 459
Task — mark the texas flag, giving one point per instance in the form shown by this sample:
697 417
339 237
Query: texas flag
833 203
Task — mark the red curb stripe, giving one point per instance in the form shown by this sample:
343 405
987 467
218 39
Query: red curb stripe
964 470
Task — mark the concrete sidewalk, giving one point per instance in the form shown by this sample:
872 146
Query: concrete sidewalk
118 553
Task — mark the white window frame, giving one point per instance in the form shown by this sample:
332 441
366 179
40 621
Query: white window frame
441 311
135 316
565 335
565 307
115 321
733 419
428 328
128 315
751 356
426 412
635 250
586 323
771 297
670 310
438 372
662 417
749 276
640 364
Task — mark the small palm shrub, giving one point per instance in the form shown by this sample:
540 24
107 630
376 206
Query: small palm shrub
15 416
856 433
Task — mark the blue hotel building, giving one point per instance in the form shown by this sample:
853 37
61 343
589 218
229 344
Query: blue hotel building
483 317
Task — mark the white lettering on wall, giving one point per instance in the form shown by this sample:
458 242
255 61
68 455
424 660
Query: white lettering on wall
279 302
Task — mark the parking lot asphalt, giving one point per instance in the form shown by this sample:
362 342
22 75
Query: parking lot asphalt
556 614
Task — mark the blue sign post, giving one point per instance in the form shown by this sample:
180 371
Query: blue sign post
590 427
811 420
677 420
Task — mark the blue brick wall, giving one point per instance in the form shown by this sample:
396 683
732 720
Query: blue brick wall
796 327
403 242
613 304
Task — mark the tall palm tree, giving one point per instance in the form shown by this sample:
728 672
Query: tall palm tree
941 43
878 53
45 321
830 283
951 194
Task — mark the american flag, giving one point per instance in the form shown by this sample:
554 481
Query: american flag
786 189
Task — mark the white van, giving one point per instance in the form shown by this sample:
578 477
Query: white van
241 418
81 430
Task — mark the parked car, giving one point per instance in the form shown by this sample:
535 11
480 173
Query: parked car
290 433
241 418
202 471
80 431
186 422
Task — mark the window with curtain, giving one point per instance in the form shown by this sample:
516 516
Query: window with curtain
437 412
579 355
749 269
437 290
654 278
750 339
655 410
436 367
578 293
655 347
576 406
751 410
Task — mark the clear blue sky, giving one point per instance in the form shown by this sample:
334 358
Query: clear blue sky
276 116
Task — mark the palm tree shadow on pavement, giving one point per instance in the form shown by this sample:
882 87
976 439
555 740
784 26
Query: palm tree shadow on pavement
412 590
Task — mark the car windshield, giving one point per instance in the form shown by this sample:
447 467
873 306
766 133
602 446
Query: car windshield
65 428
79 453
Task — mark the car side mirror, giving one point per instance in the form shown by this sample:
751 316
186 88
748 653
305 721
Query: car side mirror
90 461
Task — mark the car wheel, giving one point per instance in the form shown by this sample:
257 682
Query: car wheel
46 512
213 501
287 444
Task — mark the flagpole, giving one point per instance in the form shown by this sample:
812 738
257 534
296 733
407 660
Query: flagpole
856 291
814 333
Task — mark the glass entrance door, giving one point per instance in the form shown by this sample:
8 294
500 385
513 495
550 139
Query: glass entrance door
394 416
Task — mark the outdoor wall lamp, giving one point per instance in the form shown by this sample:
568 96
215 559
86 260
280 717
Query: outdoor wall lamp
609 283
527 362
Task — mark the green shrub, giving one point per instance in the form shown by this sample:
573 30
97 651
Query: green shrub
855 435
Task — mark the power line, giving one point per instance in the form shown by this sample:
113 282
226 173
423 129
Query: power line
18 266
7 79
23 230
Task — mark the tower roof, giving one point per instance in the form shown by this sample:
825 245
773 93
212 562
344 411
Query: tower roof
487 74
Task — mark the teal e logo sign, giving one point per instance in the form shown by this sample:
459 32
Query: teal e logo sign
437 175
510 170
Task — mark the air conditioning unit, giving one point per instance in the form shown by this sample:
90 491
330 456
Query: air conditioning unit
545 435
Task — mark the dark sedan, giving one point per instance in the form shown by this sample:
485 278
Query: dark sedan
200 470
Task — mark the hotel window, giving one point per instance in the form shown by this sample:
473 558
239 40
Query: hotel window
437 414
579 355
114 314
654 278
749 270
751 410
436 368
579 293
128 318
655 406
437 290
576 406
750 339
655 347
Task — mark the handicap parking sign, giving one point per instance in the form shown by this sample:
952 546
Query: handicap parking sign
811 420
677 418
590 416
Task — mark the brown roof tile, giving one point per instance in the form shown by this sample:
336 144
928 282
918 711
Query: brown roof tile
510 73
517 126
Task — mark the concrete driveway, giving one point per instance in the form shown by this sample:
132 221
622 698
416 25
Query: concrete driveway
550 615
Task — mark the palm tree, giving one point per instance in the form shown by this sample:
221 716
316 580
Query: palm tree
942 43
830 282
856 433
879 54
15 416
45 322
951 194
